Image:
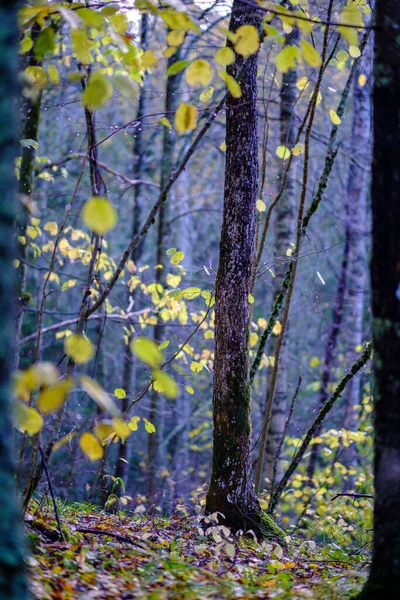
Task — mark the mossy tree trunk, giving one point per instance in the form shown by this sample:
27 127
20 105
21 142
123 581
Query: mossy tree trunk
231 490
13 585
384 579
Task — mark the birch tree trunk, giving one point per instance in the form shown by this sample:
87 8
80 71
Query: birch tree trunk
384 579
285 225
231 490
13 585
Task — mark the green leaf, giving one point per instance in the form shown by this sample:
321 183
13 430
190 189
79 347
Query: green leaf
97 92
45 43
29 144
177 66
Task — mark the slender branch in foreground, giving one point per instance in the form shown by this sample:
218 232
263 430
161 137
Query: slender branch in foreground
352 495
357 366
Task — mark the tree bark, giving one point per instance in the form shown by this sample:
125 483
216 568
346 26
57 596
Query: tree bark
13 584
385 272
231 490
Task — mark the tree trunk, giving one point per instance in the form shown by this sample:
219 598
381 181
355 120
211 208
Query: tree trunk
13 585
31 108
124 448
357 232
385 271
285 226
231 490
157 402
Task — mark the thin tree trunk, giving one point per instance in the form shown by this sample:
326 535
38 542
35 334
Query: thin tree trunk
356 208
157 402
231 490
31 108
285 225
123 459
384 579
13 584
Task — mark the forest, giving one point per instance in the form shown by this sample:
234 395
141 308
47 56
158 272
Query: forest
200 299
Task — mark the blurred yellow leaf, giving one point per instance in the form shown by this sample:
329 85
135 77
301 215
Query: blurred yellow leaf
99 215
91 446
79 348
147 351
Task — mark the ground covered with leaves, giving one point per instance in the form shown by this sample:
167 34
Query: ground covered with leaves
125 555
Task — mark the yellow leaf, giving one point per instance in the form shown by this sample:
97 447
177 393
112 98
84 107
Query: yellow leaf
91 446
36 376
79 348
231 84
149 426
283 152
51 227
336 120
96 392
103 430
362 80
97 92
199 72
164 121
286 58
121 428
302 83
354 51
224 56
28 419
186 118
36 76
177 258
310 54
251 299
53 398
173 280
261 206
54 75
133 423
168 52
351 15
82 46
222 146
207 94
120 393
99 215
64 440
298 149
149 60
277 328
190 390
196 367
253 339
175 38
248 40
165 384
314 362
147 351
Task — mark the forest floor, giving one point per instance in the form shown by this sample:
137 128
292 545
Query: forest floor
124 556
